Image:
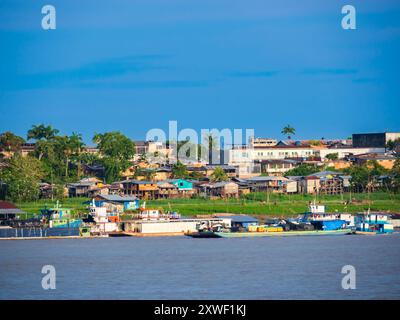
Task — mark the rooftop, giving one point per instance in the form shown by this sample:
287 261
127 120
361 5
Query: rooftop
118 198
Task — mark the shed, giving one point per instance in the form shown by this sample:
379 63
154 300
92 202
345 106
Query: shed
8 210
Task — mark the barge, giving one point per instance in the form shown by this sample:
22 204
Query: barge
247 234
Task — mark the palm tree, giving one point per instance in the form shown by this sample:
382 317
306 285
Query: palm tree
71 146
288 131
211 142
219 175
39 132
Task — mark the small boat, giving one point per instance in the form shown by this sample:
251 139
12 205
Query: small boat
373 223
58 217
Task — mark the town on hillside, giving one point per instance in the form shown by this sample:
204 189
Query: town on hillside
63 166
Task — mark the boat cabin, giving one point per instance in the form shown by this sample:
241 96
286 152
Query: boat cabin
375 222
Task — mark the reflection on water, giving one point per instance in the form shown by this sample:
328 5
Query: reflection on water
186 268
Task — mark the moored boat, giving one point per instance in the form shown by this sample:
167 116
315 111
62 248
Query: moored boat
246 234
373 223
58 217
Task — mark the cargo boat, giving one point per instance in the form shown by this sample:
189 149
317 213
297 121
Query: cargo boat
246 234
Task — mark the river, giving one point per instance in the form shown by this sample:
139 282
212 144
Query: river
186 268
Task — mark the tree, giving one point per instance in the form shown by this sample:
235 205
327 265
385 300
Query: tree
179 171
22 176
288 131
115 145
116 150
219 175
360 176
302 170
72 147
9 142
40 132
332 156
395 174
211 144
376 169
391 144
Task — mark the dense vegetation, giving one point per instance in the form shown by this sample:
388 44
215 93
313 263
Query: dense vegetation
59 159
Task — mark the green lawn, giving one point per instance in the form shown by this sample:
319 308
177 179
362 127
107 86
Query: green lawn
255 203
76 204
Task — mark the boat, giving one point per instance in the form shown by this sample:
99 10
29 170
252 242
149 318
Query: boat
246 234
100 221
58 217
373 223
314 222
322 220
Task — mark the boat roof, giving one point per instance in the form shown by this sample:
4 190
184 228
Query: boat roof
238 218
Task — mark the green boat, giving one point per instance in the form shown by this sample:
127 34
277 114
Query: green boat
247 234
59 217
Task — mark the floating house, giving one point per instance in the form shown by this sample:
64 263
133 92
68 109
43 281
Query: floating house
168 227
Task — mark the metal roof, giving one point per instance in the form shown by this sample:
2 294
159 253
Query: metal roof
220 184
266 178
118 198
238 218
325 173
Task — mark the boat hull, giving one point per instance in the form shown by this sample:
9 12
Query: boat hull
204 234
283 233
38 232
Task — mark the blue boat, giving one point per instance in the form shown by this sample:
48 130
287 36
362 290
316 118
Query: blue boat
373 223
322 220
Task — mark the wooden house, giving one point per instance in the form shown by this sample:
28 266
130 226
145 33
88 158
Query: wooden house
140 189
224 189
185 187
167 190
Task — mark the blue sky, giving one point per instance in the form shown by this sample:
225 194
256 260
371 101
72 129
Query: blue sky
134 65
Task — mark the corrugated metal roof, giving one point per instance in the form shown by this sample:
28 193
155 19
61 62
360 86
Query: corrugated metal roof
118 198
266 178
11 211
220 184
325 173
238 218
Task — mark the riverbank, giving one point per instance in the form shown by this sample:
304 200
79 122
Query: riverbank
259 204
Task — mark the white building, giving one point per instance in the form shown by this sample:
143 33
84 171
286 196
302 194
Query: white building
244 155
